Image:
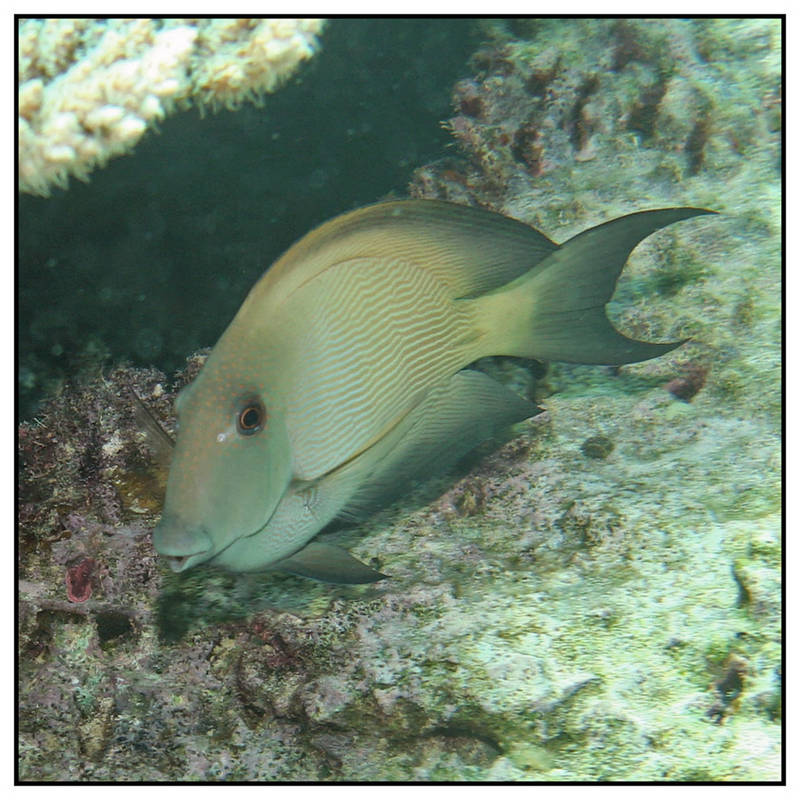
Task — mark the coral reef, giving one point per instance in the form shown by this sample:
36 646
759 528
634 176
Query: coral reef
598 600
89 89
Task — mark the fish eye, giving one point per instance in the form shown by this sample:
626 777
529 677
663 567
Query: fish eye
251 418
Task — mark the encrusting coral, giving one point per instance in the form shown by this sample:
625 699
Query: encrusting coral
89 89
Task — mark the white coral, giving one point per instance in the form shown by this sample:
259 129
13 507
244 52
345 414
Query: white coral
89 89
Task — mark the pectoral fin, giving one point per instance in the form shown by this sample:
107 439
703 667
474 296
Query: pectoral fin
328 563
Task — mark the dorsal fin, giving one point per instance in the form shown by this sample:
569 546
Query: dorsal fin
471 249
159 442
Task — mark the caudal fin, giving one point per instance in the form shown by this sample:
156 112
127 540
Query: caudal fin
567 293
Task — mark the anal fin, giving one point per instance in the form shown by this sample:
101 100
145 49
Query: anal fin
454 418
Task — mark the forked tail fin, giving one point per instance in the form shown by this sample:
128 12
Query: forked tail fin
566 294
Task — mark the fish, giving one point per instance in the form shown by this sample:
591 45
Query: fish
348 373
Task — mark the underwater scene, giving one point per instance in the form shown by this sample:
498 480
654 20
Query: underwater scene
482 483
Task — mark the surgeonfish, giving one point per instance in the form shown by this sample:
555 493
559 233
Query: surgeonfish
346 372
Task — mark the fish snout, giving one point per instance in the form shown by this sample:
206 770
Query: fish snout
183 545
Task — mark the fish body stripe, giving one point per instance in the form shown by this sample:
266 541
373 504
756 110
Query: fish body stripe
385 333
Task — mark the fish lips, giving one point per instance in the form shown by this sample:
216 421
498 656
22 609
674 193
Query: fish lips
182 545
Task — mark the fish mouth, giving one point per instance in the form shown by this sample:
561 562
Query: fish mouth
182 545
177 563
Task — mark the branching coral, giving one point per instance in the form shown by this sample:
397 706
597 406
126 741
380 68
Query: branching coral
89 89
